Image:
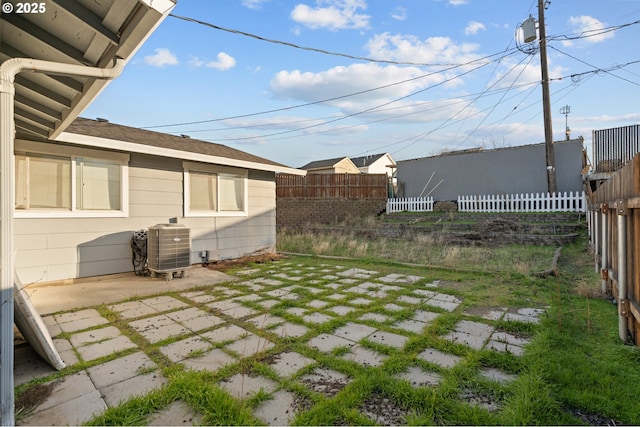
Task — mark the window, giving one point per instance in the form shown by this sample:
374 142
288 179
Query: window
65 184
214 191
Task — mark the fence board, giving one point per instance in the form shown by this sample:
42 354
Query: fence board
614 204
538 202
340 186
410 204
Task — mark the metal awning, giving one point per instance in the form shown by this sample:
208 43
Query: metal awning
81 32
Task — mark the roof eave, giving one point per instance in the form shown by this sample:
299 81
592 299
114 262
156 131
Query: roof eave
132 147
156 12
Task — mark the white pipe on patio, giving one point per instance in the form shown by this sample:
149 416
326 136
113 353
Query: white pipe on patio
8 71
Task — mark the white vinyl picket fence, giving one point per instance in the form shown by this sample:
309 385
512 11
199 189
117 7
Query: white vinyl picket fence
410 204
538 202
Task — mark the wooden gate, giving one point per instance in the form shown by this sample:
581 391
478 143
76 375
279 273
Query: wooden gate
614 233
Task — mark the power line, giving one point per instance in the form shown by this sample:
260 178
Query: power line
312 49
597 70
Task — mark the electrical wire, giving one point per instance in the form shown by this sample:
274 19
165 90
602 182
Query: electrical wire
312 49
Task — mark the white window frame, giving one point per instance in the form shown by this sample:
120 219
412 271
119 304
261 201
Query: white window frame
217 170
49 149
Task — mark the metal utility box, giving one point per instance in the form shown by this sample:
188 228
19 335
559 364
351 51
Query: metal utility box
168 249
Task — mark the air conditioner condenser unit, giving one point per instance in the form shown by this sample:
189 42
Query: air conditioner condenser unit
168 249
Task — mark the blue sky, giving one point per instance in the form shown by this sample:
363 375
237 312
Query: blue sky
410 77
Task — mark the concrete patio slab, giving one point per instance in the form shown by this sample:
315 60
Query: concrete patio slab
437 357
139 385
354 331
389 339
180 350
178 413
210 361
242 386
290 330
228 332
288 363
375 317
420 378
105 348
120 369
328 342
279 410
250 345
364 356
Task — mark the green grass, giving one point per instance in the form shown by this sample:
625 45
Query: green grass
574 371
422 249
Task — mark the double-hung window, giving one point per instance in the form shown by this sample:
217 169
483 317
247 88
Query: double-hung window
57 181
214 191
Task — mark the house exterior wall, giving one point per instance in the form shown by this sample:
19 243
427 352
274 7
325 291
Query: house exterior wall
500 171
49 249
379 166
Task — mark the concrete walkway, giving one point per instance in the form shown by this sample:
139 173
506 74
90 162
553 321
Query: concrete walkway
228 319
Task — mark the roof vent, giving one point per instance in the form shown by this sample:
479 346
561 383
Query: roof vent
182 135
102 120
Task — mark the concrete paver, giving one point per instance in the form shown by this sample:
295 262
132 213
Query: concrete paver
364 356
328 342
178 413
243 386
389 339
277 410
420 378
437 357
210 361
287 364
105 348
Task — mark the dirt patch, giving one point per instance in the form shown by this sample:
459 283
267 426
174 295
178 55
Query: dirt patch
228 264
384 411
33 397
499 225
594 419
481 400
325 381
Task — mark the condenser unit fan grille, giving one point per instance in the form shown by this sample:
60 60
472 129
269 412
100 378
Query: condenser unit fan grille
168 248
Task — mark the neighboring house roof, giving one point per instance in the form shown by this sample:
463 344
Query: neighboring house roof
368 160
323 164
102 134
81 32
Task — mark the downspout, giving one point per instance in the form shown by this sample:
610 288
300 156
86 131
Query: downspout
8 71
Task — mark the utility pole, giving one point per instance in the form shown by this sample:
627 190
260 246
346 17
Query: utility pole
546 103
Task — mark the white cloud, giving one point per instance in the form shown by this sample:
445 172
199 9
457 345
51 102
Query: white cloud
457 2
429 51
474 27
588 26
338 81
161 58
399 14
224 62
332 15
253 4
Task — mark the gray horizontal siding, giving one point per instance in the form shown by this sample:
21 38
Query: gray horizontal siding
51 249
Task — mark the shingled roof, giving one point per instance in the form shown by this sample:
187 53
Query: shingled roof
107 130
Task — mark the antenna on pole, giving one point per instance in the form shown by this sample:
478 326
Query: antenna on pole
566 110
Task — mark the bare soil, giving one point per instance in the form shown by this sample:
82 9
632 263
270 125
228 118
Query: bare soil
229 264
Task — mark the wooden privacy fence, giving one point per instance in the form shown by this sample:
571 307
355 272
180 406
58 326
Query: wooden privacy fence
410 204
538 202
614 233
337 186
